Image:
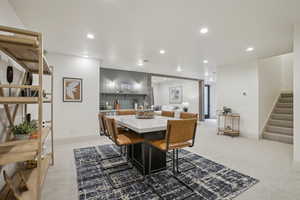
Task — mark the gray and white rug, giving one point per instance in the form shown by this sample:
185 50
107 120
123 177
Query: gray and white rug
206 179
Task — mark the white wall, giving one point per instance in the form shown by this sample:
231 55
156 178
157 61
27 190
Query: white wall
75 119
232 81
287 72
190 93
297 93
270 86
8 16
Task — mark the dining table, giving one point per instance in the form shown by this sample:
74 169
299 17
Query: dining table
149 129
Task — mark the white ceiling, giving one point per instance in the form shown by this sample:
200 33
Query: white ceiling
129 30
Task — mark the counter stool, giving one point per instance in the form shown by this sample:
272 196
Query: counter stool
122 138
168 114
187 115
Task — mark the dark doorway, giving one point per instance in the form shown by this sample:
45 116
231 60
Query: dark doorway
207 101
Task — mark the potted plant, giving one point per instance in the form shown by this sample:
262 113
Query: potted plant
24 130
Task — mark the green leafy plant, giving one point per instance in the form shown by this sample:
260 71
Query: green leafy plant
25 128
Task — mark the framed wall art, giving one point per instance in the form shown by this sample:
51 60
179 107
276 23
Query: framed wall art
175 95
72 89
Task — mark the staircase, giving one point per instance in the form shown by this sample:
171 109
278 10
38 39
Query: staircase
280 126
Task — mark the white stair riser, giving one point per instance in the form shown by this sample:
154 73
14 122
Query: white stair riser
282 117
287 96
274 129
283 110
282 123
286 100
284 105
278 138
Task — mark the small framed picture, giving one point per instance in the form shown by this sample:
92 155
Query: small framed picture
175 95
72 89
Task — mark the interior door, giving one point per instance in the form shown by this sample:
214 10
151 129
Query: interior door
207 101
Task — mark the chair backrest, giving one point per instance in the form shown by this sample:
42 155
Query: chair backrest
111 129
167 113
180 131
126 112
186 115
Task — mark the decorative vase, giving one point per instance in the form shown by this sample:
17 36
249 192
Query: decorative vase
22 137
10 76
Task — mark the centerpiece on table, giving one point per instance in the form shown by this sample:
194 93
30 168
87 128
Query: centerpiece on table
145 114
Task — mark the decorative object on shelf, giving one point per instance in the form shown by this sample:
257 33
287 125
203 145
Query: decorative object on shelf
10 76
229 124
226 110
72 89
175 95
117 105
28 117
24 130
30 164
185 106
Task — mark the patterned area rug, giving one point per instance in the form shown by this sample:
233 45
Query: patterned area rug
204 178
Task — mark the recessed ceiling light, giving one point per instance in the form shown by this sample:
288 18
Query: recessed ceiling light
90 36
249 49
206 74
205 61
211 79
162 51
179 69
85 56
204 30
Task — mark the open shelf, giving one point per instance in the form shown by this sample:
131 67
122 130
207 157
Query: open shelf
21 100
21 150
23 49
31 177
18 151
32 87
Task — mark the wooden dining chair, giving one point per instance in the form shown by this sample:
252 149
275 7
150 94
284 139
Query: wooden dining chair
180 134
187 115
102 127
126 112
168 113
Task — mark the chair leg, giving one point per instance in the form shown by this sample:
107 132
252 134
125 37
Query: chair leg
177 163
143 159
150 156
173 159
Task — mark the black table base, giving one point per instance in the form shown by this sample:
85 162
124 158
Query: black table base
158 157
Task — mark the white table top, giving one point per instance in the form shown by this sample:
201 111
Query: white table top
159 123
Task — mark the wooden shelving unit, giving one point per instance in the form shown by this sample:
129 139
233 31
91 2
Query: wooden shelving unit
26 48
